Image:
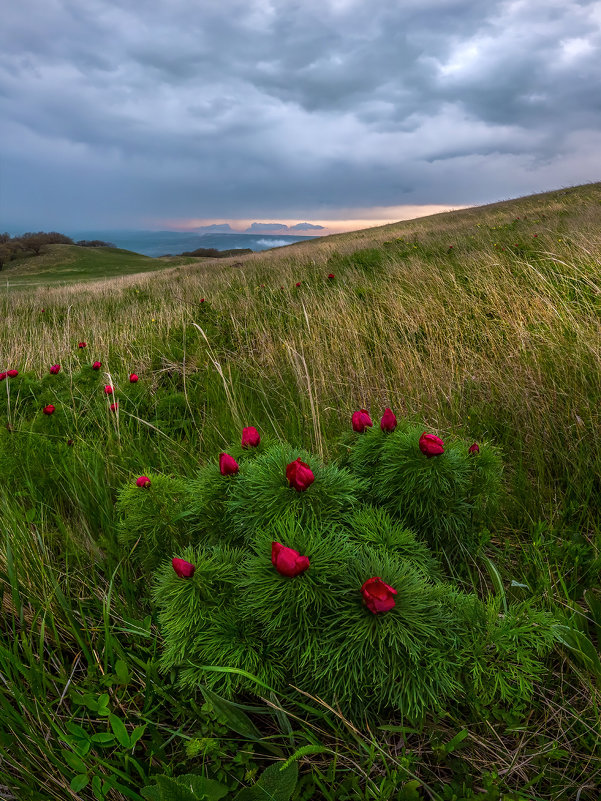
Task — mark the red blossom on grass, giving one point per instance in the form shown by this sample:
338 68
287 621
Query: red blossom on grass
431 445
298 283
182 568
133 379
388 421
48 409
535 235
377 595
143 482
96 365
287 561
82 344
361 420
12 373
475 448
55 369
299 475
70 443
331 276
228 466
108 389
2 376
114 406
202 300
250 437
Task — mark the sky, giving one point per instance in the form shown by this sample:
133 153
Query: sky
173 114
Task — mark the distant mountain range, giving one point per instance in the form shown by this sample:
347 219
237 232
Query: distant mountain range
257 228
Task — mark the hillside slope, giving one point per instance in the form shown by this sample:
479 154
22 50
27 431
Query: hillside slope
66 264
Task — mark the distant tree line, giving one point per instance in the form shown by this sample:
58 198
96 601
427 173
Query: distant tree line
216 254
14 247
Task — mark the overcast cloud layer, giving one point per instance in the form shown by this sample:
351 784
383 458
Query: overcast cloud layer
117 113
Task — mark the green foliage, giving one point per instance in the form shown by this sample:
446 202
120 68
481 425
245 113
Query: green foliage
263 495
209 515
444 498
151 520
374 527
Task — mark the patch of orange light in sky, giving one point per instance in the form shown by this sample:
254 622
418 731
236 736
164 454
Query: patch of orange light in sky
344 220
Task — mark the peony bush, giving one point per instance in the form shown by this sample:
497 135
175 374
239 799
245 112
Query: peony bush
338 580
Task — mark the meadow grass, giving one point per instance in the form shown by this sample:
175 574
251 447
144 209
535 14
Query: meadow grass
483 322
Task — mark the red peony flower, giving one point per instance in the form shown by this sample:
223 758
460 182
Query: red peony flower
361 420
82 345
228 466
96 365
287 561
331 276
298 283
12 373
388 421
250 437
475 448
299 475
55 369
377 595
48 409
431 445
133 379
108 390
2 376
143 481
182 568
114 406
202 300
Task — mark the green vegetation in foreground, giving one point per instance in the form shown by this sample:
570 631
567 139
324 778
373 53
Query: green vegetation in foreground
477 325
68 264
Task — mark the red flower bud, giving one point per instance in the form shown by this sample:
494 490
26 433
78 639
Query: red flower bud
388 421
298 283
475 448
431 445
114 406
182 568
331 275
82 345
108 390
55 369
48 409
96 365
133 379
143 481
202 300
287 561
228 466
12 373
299 475
361 420
377 595
250 437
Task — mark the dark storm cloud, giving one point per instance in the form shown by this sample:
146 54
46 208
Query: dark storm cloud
115 112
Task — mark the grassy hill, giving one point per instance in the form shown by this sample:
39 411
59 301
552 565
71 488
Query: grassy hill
67 264
482 324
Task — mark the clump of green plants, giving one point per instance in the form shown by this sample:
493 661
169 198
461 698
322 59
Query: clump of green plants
306 574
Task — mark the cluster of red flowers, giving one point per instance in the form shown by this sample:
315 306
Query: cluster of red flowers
9 373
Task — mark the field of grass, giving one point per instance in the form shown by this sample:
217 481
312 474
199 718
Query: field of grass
483 324
58 265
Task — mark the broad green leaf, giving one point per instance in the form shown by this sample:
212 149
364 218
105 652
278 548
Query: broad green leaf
79 782
274 784
119 730
122 671
73 761
237 720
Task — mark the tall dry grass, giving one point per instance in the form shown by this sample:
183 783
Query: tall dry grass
498 335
